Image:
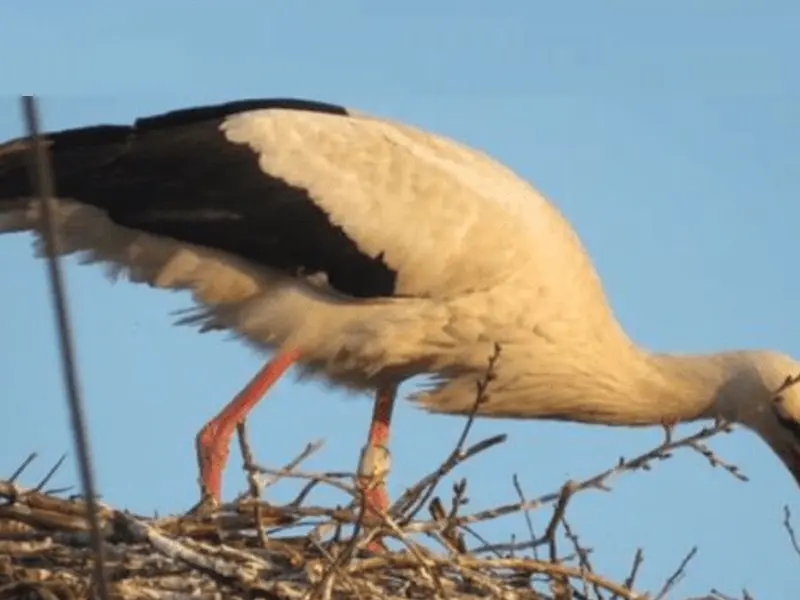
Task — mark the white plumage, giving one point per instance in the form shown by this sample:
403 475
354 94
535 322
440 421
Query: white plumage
370 251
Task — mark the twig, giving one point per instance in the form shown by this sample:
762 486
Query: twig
49 475
679 574
583 557
558 514
534 566
331 479
251 470
20 469
638 559
599 481
560 582
527 513
787 524
289 467
412 501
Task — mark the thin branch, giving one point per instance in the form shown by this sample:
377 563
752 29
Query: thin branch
414 498
599 481
638 559
583 557
679 574
49 475
527 513
21 469
248 464
787 524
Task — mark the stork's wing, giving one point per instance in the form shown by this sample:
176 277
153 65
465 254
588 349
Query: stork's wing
380 208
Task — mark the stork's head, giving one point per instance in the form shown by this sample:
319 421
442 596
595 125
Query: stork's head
771 406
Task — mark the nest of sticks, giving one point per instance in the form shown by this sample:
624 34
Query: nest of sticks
254 549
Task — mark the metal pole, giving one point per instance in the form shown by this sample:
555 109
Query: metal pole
45 190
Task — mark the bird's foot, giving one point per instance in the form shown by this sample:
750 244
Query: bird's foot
205 507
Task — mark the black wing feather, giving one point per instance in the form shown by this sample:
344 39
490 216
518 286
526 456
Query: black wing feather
176 175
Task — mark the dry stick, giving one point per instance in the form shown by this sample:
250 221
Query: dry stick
715 460
565 493
326 582
717 595
527 513
564 496
226 571
20 469
289 467
478 537
304 492
787 524
449 536
679 574
598 481
458 500
552 528
638 559
331 479
431 480
535 566
583 557
255 490
289 471
451 539
417 496
335 565
343 559
49 475
415 550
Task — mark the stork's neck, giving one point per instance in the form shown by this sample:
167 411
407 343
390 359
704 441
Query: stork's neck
687 387
634 387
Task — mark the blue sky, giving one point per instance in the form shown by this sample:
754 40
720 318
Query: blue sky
669 134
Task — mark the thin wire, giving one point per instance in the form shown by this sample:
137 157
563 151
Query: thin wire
44 188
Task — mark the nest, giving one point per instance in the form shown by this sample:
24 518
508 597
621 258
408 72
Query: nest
252 549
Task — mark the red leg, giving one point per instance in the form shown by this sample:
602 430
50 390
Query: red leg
214 439
377 442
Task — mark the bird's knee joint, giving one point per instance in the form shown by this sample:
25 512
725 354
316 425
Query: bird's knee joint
374 465
213 440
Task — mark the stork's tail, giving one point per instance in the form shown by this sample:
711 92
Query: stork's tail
15 185
16 203
73 154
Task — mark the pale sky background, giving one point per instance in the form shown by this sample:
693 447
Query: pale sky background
669 134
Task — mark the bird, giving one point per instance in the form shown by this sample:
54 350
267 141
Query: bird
366 251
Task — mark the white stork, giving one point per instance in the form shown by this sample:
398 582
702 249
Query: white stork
369 251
